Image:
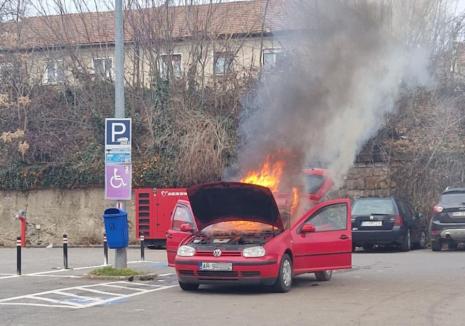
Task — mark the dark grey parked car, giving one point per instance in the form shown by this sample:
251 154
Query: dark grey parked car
387 221
448 220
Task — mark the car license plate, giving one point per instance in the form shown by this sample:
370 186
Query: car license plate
458 214
216 266
372 223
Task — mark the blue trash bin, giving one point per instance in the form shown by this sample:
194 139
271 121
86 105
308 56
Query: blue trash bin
116 228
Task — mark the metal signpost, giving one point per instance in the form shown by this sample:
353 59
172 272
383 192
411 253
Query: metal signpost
118 166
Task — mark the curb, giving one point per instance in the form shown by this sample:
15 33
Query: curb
143 277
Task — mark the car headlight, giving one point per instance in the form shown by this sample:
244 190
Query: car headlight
258 251
186 251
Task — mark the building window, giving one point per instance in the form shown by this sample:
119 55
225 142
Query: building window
170 61
223 63
103 67
54 72
272 57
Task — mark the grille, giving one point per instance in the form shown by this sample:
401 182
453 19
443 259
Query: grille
250 274
218 273
144 213
223 253
186 272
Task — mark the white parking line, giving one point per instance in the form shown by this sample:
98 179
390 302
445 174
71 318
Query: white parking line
77 301
9 276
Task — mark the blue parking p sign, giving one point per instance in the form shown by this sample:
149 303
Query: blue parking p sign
117 132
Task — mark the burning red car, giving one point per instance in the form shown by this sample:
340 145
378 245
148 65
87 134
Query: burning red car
238 237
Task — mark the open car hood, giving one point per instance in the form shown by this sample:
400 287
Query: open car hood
233 201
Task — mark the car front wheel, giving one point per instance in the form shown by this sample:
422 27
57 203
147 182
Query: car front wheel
324 276
284 281
188 286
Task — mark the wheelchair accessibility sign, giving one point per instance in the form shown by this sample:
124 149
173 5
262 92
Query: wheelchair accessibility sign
118 182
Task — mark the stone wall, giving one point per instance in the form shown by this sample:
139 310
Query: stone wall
79 212
367 180
50 213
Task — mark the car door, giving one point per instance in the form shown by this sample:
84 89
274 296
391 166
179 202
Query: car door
182 214
330 245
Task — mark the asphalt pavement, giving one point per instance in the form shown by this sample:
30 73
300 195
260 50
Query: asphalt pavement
384 288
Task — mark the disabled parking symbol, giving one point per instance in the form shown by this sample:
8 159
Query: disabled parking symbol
118 182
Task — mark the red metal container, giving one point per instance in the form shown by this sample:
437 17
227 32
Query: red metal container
153 213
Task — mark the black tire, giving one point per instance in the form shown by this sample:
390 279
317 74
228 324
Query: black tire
284 281
368 247
406 242
324 276
189 286
436 245
452 245
421 244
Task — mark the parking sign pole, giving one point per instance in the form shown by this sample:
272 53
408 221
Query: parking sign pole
121 260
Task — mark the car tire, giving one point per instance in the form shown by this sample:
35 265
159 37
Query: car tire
189 286
452 245
284 281
406 242
324 276
421 244
368 247
436 245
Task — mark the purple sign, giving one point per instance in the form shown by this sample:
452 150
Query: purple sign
118 182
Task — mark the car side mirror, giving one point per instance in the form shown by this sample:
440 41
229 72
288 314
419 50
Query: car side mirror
186 227
308 228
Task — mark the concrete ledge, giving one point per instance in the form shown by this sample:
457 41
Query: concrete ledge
143 277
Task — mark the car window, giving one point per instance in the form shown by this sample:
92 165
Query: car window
453 199
330 218
181 215
369 206
313 183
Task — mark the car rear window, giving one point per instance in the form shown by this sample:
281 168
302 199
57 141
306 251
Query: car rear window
453 199
371 206
313 183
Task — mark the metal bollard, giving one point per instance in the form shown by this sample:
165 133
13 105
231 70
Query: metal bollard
65 251
105 249
18 255
142 248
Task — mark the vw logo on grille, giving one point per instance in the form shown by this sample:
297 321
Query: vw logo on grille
217 252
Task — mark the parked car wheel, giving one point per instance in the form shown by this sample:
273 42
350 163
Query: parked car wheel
436 245
421 244
284 281
189 286
368 247
452 245
324 276
406 242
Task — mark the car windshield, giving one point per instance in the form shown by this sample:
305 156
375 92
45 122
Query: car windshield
453 199
237 227
369 206
313 183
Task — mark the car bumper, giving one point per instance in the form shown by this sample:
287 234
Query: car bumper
448 233
361 238
254 271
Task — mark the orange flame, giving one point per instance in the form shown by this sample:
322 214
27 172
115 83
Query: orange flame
269 175
295 200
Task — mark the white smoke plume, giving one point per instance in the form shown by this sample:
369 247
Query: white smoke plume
344 67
